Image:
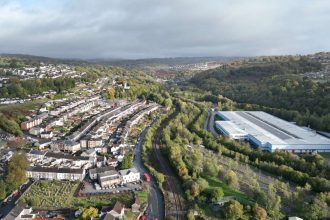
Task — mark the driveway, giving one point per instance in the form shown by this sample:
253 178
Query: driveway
211 123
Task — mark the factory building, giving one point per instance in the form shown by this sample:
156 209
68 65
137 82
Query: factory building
269 132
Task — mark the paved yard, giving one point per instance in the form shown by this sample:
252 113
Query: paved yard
88 188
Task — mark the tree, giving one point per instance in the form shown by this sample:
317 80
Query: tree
233 210
190 214
168 103
260 213
232 180
202 183
2 190
273 203
194 189
17 167
127 162
89 213
317 209
216 194
111 93
211 168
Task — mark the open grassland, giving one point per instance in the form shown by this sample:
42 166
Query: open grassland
239 196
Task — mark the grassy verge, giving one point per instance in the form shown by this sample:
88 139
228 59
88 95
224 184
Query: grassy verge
228 191
143 196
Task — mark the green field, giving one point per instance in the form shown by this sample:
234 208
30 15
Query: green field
24 107
241 197
143 196
60 194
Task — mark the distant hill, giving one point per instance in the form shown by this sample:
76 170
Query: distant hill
43 59
162 61
131 63
277 85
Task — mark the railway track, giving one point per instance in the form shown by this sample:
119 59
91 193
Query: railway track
172 184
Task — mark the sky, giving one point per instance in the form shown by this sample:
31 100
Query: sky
132 29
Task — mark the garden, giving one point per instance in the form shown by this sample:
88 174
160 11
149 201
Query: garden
60 194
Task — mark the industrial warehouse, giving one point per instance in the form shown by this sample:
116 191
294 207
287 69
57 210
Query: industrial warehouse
269 132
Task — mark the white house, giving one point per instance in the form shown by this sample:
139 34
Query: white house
47 135
36 131
89 153
130 175
117 212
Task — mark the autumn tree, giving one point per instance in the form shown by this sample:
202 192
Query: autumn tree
89 213
110 93
127 162
259 213
232 180
17 167
233 210
216 194
211 168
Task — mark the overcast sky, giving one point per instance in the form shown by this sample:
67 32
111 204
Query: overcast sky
163 28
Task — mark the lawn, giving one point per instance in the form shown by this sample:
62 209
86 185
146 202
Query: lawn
228 191
143 196
325 154
60 194
129 215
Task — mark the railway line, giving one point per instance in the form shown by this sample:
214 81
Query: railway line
175 208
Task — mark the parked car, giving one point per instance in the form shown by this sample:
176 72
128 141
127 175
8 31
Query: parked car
97 186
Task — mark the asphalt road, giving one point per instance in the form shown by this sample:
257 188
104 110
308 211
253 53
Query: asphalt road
5 209
210 126
156 205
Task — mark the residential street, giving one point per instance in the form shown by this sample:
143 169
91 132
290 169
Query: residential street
156 206
5 209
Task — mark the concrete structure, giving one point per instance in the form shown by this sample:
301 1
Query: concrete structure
136 205
36 131
269 132
20 212
65 145
26 125
117 212
93 173
129 175
109 178
50 173
295 218
47 135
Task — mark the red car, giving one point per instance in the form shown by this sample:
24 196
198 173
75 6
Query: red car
146 177
15 194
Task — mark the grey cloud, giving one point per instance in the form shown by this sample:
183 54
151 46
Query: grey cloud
154 28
